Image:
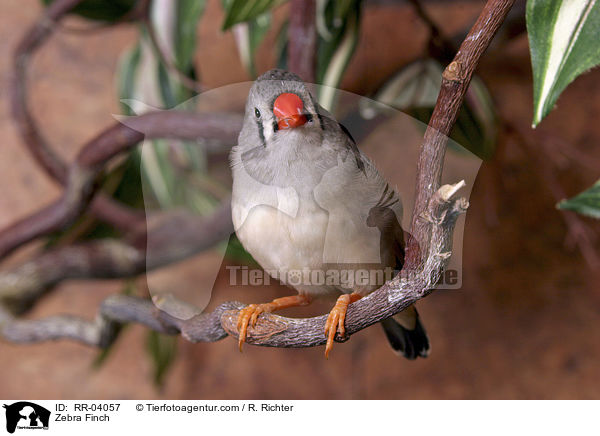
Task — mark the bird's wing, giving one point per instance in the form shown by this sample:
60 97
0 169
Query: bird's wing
338 135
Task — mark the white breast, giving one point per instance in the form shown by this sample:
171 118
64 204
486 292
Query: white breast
319 229
282 242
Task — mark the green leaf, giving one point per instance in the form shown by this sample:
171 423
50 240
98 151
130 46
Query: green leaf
343 7
126 74
248 37
164 174
235 252
167 167
162 350
168 86
563 39
414 90
281 45
188 15
239 11
157 173
415 85
338 36
129 187
258 28
101 10
586 203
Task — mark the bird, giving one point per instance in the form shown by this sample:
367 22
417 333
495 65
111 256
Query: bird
314 212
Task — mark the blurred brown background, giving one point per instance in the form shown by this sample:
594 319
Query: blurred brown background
525 325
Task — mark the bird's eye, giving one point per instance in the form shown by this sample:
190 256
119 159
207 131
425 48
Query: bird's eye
256 113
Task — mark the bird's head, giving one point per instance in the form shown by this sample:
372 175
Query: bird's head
279 104
282 139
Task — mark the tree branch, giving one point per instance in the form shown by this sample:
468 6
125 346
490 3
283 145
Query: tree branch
95 154
433 222
103 207
455 81
272 330
114 310
302 39
175 236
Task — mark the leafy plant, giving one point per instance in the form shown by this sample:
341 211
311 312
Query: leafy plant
415 88
563 38
586 203
146 80
162 350
338 24
248 36
240 11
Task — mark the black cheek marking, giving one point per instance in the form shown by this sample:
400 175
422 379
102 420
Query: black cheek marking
321 121
261 133
275 126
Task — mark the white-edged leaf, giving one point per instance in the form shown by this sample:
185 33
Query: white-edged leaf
189 13
147 83
586 203
563 40
126 74
248 36
414 90
416 85
239 11
335 51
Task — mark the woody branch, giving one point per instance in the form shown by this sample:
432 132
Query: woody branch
434 217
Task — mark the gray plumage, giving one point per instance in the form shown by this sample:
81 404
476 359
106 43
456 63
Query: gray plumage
306 198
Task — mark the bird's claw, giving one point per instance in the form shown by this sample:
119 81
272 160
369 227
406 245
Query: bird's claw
248 315
335 323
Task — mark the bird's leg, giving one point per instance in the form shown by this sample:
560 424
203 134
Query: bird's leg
336 319
250 313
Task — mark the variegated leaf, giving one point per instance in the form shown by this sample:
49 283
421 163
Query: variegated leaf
563 39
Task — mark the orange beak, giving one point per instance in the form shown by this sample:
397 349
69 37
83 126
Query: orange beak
288 108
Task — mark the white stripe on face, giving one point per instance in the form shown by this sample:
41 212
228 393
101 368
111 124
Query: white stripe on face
268 129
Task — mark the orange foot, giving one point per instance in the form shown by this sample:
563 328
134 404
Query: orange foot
249 314
336 319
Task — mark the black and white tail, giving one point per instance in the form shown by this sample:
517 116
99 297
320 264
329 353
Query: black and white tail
408 343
